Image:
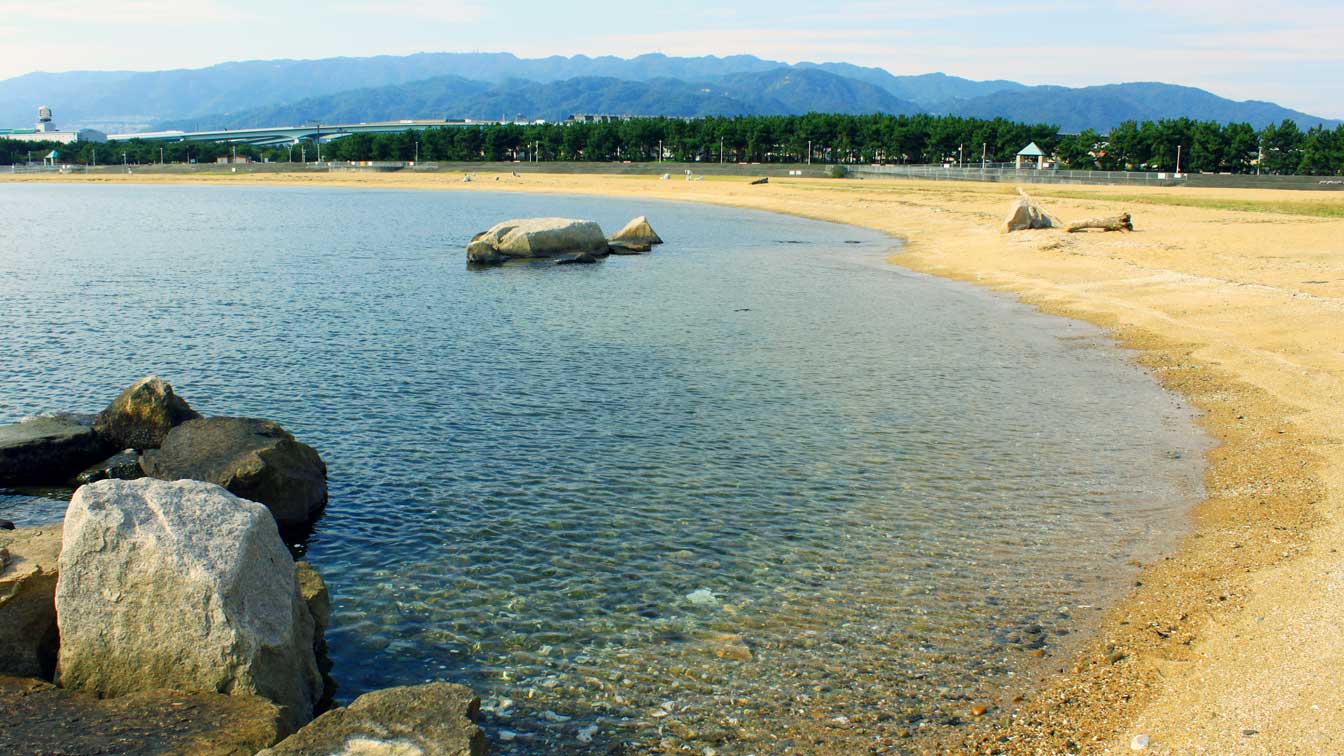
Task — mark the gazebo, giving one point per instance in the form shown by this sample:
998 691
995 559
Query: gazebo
50 158
1031 151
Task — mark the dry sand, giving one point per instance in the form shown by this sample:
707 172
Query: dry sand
1235 643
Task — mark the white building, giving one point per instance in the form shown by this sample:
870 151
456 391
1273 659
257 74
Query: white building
45 131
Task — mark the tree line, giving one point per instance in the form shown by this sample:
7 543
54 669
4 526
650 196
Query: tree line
1200 146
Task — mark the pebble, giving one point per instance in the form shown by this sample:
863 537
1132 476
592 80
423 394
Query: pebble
702 597
586 733
1139 742
979 710
6 525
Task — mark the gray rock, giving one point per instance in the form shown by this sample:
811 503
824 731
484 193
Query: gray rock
528 238
122 466
434 719
46 450
184 586
142 415
29 566
255 459
579 259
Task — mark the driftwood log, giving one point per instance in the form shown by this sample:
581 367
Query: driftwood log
1119 222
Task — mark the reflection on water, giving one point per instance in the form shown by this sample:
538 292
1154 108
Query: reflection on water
735 496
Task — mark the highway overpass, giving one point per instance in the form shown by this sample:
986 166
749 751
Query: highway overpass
282 135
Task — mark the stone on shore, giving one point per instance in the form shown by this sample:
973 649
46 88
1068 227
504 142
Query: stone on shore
313 590
181 586
255 459
142 415
121 466
47 450
434 719
29 565
1026 214
39 718
529 238
635 236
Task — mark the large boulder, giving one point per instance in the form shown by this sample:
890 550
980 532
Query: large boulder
47 450
434 719
183 586
39 718
635 236
255 459
142 415
537 237
29 565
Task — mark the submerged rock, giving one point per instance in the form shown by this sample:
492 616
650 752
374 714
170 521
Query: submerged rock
434 719
185 586
47 450
142 415
528 238
255 459
29 566
40 718
121 466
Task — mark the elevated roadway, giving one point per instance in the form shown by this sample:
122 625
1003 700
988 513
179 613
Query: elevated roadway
282 135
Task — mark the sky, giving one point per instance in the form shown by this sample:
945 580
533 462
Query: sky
1289 51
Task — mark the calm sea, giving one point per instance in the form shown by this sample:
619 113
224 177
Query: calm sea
755 492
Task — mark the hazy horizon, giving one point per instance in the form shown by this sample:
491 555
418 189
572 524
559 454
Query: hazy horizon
1228 48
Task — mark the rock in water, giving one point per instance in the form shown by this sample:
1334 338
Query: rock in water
537 237
434 719
254 459
122 466
46 450
637 235
313 590
185 586
142 416
29 565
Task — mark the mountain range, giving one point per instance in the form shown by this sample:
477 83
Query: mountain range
501 85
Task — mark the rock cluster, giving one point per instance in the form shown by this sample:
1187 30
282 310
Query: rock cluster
168 597
566 240
1026 214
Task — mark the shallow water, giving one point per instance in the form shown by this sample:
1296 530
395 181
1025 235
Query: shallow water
755 492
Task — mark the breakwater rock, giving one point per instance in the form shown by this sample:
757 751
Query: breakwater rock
47 449
29 566
434 719
142 415
181 585
635 236
254 459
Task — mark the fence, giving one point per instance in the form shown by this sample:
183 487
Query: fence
1012 174
40 168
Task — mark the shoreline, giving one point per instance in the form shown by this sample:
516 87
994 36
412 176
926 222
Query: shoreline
1234 632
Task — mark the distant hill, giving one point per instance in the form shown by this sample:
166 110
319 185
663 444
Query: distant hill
487 85
781 91
1102 107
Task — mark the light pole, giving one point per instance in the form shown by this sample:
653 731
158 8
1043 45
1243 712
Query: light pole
660 150
720 150
984 152
809 152
961 155
160 156
417 150
1178 160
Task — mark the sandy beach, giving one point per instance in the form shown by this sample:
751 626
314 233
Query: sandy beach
1234 644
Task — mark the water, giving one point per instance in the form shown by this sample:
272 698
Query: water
757 491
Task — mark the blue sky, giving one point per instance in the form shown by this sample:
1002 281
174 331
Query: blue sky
1290 51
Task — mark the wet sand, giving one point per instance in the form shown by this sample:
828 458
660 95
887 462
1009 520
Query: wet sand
1233 644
